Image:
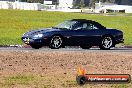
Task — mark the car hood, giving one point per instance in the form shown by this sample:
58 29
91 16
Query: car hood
39 31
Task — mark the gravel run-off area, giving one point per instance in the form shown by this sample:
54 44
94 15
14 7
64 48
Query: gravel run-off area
58 69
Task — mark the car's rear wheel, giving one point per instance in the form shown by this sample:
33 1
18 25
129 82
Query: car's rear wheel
85 47
35 46
106 43
56 42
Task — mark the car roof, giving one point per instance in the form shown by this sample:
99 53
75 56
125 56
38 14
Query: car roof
82 20
91 21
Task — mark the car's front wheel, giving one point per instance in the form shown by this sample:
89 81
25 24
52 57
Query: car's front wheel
106 43
56 42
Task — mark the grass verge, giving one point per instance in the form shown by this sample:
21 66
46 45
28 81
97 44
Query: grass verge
48 81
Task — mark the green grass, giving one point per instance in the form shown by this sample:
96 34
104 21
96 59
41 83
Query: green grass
17 80
50 81
13 23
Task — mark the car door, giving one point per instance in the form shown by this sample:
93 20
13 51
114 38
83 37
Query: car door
83 33
72 37
76 35
88 33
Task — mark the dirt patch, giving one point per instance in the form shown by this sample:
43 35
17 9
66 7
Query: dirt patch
58 69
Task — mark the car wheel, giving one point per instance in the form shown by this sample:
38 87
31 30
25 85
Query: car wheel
36 46
56 42
86 47
106 43
81 80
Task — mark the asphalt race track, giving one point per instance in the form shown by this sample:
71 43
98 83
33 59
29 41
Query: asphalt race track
66 49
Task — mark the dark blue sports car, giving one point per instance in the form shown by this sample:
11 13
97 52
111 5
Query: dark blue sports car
75 32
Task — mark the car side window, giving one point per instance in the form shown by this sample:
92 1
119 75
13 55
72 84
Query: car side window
89 26
77 26
84 26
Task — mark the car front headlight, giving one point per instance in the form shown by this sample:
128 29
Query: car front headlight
38 35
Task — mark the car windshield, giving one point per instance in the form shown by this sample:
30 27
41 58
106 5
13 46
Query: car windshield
66 25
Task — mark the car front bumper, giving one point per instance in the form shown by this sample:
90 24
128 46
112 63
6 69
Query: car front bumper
39 41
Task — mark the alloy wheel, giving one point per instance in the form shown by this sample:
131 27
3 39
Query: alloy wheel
56 42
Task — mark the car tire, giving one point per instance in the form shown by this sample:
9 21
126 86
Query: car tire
56 42
81 80
85 47
106 43
36 46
